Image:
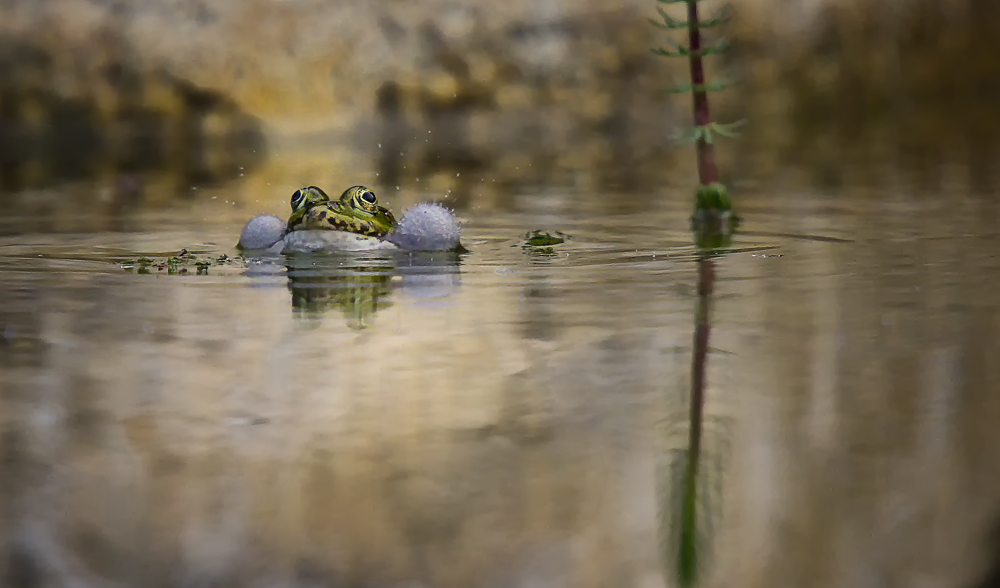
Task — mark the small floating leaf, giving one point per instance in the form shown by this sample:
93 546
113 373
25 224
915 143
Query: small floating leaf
540 238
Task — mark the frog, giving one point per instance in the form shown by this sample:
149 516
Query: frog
357 211
427 226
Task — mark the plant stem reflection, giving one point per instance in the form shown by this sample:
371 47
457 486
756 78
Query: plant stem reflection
691 487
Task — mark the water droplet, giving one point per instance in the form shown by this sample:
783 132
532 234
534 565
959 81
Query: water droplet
213 197
458 174
379 145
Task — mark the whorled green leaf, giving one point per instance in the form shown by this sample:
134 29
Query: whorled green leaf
664 26
667 53
708 132
728 130
682 51
718 48
717 86
722 17
669 23
680 89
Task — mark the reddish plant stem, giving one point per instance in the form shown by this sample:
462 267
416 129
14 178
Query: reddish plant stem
699 356
707 172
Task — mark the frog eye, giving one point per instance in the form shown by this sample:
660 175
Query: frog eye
298 198
364 199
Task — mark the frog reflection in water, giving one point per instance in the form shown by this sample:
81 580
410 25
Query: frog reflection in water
357 211
359 287
357 292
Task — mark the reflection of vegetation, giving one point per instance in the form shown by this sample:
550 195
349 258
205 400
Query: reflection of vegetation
713 233
691 488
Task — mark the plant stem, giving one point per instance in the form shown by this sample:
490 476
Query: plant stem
707 172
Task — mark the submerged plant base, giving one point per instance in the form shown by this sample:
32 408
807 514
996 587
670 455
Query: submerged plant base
713 197
713 221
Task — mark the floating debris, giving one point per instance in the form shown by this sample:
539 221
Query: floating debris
179 264
541 242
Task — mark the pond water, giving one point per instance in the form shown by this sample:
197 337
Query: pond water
506 417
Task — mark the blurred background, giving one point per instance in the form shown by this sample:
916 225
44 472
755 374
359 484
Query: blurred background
188 92
506 418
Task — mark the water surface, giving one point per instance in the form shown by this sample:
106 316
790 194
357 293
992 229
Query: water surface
503 417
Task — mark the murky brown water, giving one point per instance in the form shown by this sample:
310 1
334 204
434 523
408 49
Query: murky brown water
503 418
